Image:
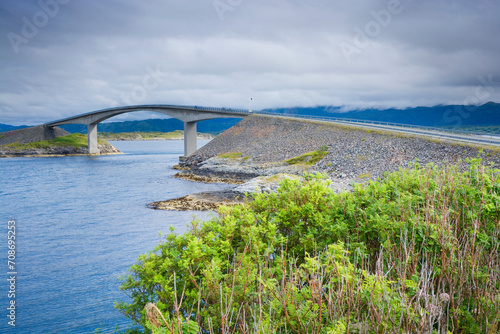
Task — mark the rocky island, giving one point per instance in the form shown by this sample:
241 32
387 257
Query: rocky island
44 141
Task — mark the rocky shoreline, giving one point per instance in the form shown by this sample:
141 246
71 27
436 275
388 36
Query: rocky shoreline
27 142
258 148
211 200
204 201
241 193
7 152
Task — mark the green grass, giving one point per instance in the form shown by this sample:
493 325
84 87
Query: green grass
75 140
309 158
230 155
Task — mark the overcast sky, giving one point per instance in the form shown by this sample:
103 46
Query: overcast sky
59 58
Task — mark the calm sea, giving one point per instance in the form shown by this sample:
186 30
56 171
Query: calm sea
80 223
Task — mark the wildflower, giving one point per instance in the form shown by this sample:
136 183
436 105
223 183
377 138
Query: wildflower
444 297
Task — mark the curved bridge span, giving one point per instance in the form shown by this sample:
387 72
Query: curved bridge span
187 114
192 114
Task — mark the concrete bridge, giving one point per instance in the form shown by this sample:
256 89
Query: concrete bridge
192 114
187 114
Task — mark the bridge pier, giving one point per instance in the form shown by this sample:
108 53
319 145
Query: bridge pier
189 138
92 139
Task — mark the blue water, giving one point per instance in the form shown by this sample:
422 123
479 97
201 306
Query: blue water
80 223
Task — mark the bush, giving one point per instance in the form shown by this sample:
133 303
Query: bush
415 252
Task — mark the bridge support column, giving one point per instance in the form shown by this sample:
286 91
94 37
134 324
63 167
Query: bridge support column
189 138
92 138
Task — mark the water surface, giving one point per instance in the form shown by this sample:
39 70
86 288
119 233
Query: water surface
81 222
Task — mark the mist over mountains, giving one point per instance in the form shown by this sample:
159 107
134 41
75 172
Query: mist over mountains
487 114
446 116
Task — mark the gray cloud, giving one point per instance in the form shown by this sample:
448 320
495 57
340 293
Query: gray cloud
96 54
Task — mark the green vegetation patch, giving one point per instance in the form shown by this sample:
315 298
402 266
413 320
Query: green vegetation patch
75 140
416 252
309 158
230 155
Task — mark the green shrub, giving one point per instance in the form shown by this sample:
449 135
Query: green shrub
414 252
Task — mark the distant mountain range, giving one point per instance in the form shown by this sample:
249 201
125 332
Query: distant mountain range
6 127
448 116
487 114
213 126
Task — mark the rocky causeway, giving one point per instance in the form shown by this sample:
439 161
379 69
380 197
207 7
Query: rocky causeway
258 147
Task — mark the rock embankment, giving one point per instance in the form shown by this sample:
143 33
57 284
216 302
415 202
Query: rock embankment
259 146
29 135
265 142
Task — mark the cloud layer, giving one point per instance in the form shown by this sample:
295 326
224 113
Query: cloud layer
64 57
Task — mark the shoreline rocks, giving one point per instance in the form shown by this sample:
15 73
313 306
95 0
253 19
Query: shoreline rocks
213 171
7 152
204 201
240 194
